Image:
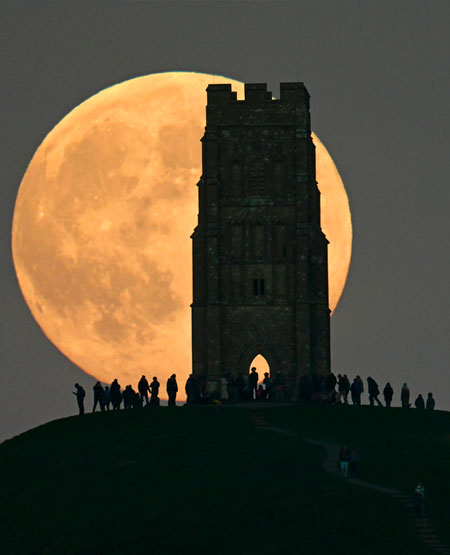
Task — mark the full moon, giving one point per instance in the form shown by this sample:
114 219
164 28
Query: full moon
101 231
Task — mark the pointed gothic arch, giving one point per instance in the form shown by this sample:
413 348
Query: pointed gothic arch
253 351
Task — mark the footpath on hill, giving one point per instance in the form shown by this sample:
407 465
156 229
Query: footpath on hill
330 465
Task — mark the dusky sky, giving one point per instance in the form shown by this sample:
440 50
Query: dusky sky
379 82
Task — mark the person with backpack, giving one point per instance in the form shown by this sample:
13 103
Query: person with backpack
80 395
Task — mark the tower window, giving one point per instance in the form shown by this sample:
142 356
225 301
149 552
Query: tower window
259 287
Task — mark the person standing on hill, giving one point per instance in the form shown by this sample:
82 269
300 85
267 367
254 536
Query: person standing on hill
143 389
388 393
267 381
346 388
404 397
253 382
361 386
80 395
154 390
106 397
191 389
116 395
98 396
430 402
419 403
355 390
419 499
372 386
172 388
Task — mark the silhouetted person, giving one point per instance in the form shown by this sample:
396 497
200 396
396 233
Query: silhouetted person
116 395
278 384
388 393
154 391
106 397
430 402
419 499
305 386
372 387
340 384
191 390
127 397
404 397
267 381
253 382
330 383
172 388
419 403
346 388
240 387
361 386
80 395
143 389
356 391
98 396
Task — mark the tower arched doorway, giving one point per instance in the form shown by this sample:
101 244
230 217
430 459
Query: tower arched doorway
262 358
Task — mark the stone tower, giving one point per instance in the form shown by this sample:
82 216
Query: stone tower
260 283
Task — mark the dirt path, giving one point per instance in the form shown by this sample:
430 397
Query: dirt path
422 524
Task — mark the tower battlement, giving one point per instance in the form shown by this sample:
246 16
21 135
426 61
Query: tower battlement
258 106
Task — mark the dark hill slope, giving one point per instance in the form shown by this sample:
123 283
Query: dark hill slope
206 480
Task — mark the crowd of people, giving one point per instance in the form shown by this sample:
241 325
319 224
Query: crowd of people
233 389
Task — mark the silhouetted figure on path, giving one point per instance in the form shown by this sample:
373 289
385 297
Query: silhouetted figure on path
278 384
388 393
267 382
356 391
191 390
98 396
344 459
404 397
419 403
305 386
143 389
419 499
116 395
80 395
172 388
154 391
253 382
430 402
240 388
372 387
106 397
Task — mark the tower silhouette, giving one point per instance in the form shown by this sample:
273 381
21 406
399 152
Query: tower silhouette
260 278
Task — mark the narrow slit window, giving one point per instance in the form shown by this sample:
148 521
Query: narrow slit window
255 287
262 287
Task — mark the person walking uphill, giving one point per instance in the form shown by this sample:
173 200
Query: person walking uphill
80 395
172 388
344 459
372 386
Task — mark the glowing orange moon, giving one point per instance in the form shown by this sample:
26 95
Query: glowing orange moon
102 221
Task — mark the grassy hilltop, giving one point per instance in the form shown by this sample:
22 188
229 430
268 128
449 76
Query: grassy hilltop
206 480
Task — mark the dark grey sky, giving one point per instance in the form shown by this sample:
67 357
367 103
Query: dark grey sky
379 82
